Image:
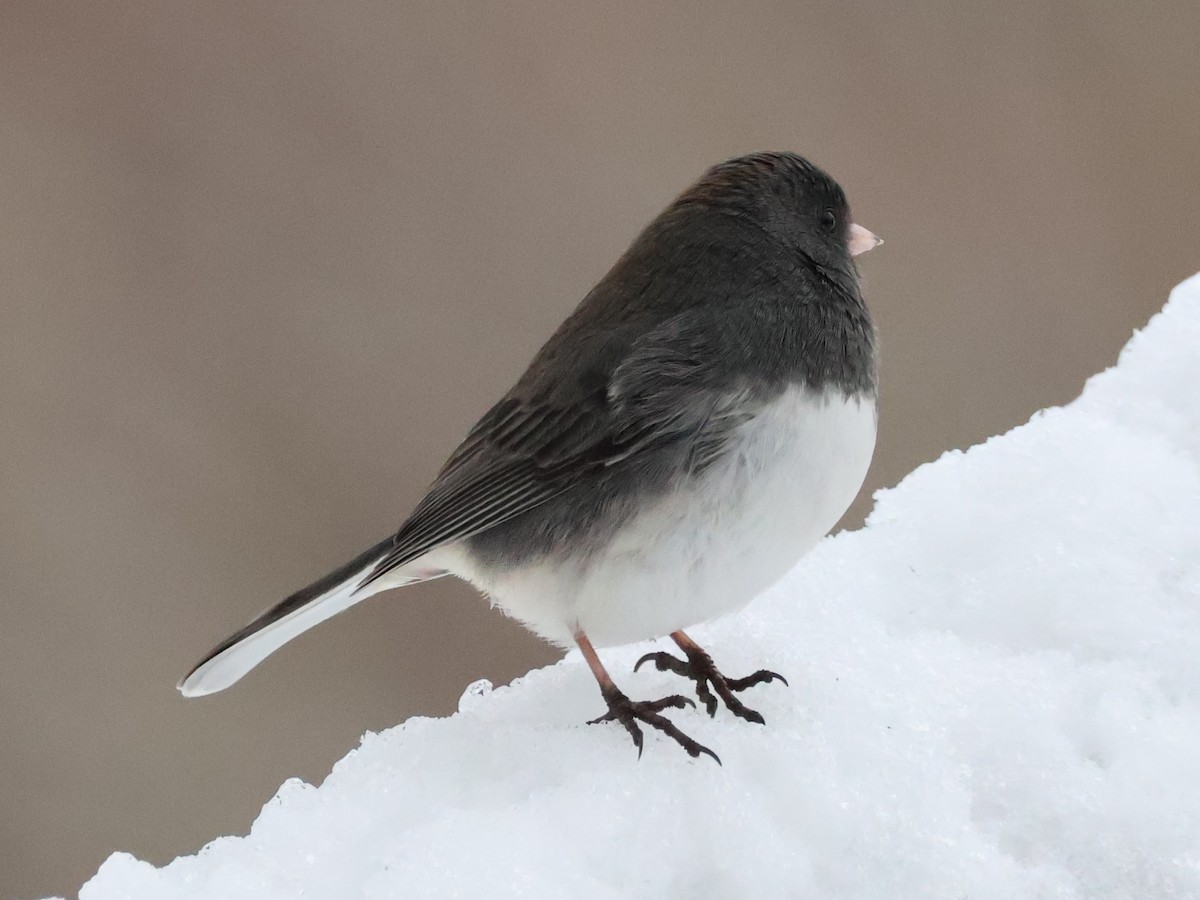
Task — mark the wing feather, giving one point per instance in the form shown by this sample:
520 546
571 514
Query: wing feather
534 445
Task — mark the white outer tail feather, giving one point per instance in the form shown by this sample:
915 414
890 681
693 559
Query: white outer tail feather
233 662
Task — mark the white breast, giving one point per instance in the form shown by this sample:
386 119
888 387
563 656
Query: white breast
710 548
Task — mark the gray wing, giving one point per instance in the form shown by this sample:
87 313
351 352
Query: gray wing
665 390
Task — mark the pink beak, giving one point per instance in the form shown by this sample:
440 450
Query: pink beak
861 240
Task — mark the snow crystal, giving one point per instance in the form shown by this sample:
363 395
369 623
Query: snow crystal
995 693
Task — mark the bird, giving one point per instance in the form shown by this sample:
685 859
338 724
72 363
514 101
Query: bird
697 424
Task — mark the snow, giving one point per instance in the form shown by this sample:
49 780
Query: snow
995 693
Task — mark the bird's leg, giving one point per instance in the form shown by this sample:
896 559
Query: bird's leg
699 667
630 712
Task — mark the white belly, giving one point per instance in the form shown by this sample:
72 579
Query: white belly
711 548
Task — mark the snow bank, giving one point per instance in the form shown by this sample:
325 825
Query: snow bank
995 693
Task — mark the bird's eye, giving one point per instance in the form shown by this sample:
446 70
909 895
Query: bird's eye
829 221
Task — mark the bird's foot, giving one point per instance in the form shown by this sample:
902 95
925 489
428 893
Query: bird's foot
630 712
699 667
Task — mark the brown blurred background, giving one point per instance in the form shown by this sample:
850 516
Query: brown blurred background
264 263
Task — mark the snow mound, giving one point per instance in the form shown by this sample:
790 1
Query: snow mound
995 693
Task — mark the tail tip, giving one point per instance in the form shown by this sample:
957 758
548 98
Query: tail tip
191 687
203 680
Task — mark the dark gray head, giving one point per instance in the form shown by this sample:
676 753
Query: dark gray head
774 231
768 222
790 199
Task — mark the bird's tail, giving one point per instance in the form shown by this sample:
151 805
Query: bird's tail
339 590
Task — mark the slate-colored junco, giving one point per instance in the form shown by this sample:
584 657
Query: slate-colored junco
695 426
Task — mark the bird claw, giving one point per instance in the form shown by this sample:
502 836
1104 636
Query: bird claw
664 662
762 676
630 712
699 667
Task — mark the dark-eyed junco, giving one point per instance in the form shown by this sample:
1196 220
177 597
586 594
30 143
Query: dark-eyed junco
692 429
